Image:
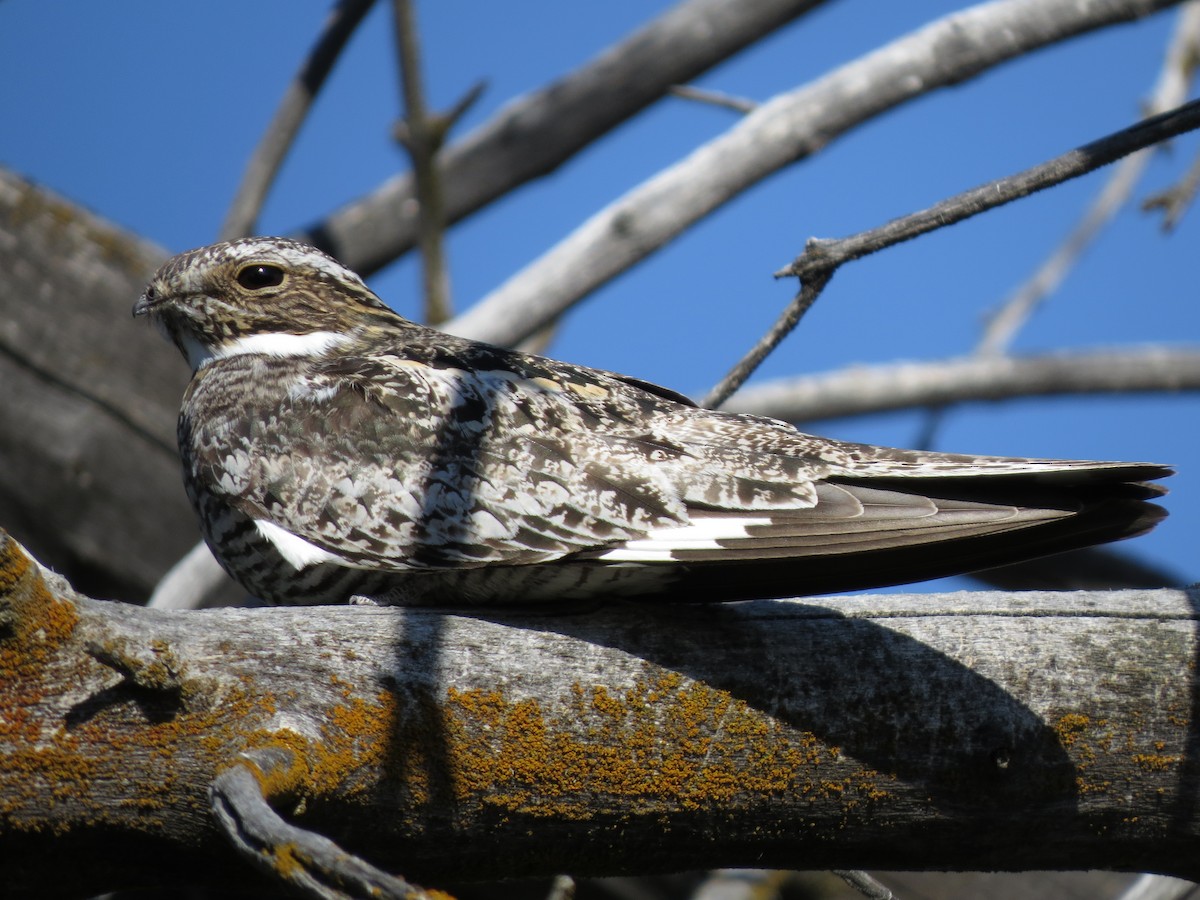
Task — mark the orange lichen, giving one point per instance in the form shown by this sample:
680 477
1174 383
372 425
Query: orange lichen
661 743
1154 762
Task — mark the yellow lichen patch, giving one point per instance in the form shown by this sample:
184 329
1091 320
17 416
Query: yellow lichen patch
114 760
1154 762
33 620
663 742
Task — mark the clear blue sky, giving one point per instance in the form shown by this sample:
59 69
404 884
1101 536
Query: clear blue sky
147 111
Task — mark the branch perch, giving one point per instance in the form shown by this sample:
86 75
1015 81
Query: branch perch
878 731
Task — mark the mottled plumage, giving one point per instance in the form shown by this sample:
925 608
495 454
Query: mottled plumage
333 448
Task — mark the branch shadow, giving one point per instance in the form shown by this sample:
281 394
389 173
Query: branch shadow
883 698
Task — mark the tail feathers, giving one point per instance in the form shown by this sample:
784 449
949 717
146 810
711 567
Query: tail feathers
872 532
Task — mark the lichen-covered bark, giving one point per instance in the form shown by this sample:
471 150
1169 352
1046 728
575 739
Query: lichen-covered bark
898 731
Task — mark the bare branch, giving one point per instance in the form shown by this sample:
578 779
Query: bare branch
536 133
865 885
884 731
422 135
809 291
1176 200
821 258
824 255
293 108
311 865
779 132
860 390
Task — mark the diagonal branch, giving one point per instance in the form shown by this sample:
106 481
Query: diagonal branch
281 132
786 129
1170 90
537 133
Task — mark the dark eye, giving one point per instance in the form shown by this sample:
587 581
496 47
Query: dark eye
257 276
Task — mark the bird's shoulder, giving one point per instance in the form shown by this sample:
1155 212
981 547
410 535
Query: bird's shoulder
389 365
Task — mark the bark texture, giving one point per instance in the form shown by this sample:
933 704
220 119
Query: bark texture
90 476
894 731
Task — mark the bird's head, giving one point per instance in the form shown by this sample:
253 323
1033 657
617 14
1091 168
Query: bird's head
265 295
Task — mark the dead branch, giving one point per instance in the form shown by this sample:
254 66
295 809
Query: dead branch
882 731
781 131
535 134
281 133
860 390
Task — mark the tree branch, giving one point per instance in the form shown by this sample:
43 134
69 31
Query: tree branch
788 128
860 390
277 140
535 134
883 731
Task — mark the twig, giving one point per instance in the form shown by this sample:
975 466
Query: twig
864 884
1174 201
824 255
277 139
821 258
809 291
422 135
780 132
1004 324
714 98
310 864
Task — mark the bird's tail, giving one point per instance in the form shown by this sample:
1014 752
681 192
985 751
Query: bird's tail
875 531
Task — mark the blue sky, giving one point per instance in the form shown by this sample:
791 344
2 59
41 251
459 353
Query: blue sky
147 111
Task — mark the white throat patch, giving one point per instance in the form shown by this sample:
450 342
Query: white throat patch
312 344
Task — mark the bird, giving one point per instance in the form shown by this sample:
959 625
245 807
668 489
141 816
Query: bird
335 451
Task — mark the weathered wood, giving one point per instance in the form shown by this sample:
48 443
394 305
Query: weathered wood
897 731
89 475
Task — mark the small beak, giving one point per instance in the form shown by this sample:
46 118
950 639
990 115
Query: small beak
145 303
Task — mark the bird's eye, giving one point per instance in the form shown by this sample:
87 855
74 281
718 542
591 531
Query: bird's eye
257 276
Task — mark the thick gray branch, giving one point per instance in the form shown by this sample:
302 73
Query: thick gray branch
89 476
876 731
779 132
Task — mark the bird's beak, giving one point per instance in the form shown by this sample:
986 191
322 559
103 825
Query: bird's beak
145 303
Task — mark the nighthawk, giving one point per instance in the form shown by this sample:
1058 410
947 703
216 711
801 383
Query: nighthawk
333 449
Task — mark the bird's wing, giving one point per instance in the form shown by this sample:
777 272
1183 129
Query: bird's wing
388 462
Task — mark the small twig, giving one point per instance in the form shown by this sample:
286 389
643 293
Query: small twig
309 864
422 135
278 138
864 884
1174 201
826 255
713 98
810 290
